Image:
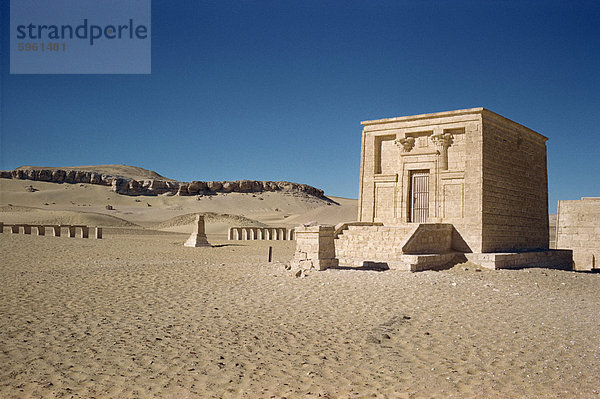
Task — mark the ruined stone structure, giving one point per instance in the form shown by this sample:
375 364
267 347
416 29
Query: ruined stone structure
578 228
198 236
55 229
260 233
450 186
315 248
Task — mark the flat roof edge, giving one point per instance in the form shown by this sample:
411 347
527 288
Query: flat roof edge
424 116
466 111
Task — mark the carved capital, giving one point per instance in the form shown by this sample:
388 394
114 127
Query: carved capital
406 144
442 140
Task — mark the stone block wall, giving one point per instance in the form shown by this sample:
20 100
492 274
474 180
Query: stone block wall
315 248
515 187
578 228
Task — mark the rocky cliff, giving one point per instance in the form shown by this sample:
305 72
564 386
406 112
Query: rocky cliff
128 186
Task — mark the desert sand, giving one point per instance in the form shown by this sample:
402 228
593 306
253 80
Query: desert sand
87 202
137 314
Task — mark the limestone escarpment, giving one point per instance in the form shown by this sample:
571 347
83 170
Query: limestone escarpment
128 186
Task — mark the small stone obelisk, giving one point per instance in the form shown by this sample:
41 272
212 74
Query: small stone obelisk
198 237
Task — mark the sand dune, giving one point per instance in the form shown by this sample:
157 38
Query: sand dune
14 214
283 209
215 223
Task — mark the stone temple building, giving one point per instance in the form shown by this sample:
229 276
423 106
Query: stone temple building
446 187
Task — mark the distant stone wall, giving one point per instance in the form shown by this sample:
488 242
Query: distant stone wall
54 229
578 228
127 186
260 233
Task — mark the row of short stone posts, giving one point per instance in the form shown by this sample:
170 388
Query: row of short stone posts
315 248
260 233
56 230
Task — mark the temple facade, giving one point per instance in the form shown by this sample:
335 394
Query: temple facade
472 168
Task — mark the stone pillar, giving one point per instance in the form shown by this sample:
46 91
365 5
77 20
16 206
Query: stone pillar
315 248
442 141
260 233
14 229
55 231
230 234
41 230
98 233
267 233
85 232
292 235
198 236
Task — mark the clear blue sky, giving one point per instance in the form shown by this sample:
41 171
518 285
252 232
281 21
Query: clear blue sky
276 90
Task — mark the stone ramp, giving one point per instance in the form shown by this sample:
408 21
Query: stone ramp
410 247
370 243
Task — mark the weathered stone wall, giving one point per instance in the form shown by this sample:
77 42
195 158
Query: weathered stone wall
127 186
315 248
578 228
515 187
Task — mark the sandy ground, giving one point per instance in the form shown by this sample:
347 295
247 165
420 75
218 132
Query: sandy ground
136 314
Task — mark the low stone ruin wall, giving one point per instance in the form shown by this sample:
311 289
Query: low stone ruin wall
578 228
127 186
54 230
261 233
425 246
550 259
315 248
